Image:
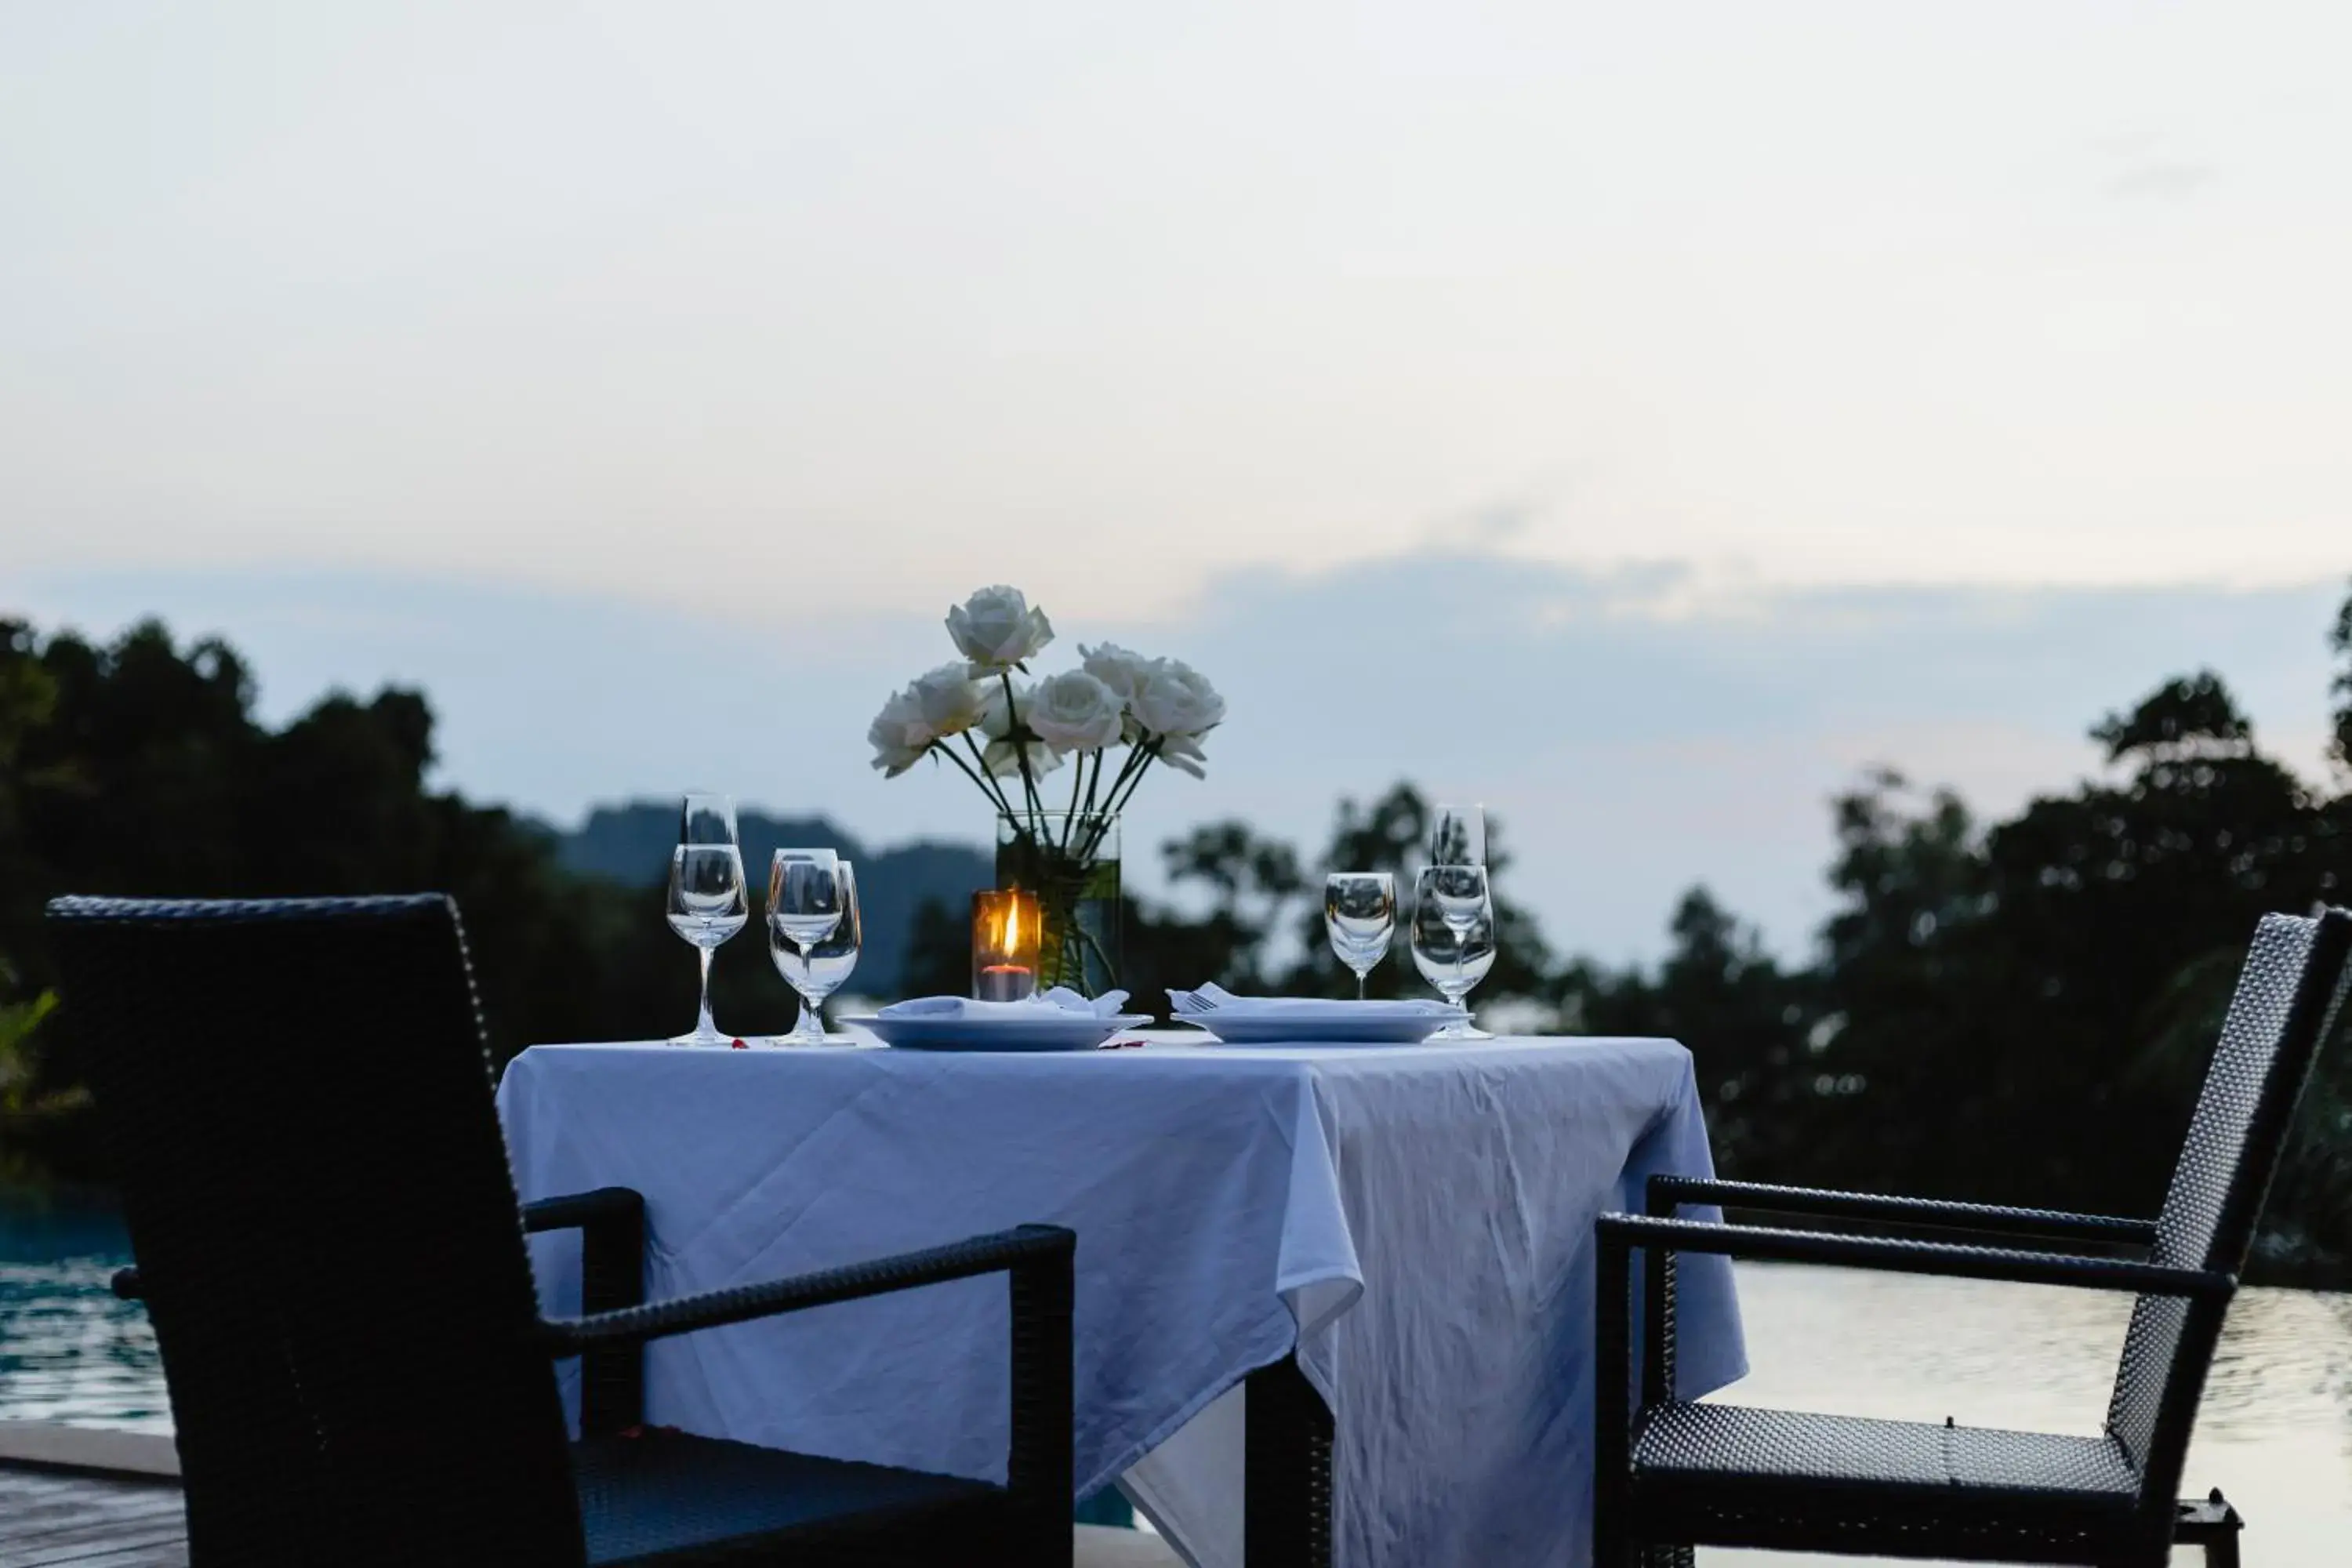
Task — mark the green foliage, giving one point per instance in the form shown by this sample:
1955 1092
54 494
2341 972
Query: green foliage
138 767
2025 1011
26 1107
2010 1011
2189 715
19 1059
2339 642
1749 1023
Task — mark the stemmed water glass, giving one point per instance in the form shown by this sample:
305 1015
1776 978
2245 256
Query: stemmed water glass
1360 915
1454 937
818 969
705 894
805 907
1458 835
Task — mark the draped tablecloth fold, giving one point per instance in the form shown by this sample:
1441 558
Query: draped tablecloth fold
1415 1223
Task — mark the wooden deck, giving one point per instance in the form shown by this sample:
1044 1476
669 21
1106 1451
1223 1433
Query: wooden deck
62 1518
59 1519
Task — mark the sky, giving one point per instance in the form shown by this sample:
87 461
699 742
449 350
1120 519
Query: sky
1638 417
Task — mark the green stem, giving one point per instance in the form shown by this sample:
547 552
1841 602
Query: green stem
1018 734
944 749
989 785
1150 755
1094 790
1130 776
1094 782
1134 756
1070 819
1086 939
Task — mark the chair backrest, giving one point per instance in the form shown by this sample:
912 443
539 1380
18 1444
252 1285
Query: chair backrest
2286 1001
298 1099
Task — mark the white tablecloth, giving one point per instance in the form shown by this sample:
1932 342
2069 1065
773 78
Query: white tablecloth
1415 1222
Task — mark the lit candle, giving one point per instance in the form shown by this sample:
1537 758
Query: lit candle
1005 931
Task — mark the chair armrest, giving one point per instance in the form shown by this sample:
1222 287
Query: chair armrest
582 1211
994 1253
612 1225
1038 1257
1620 1232
1668 1193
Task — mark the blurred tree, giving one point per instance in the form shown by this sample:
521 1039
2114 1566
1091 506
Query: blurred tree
2017 983
939 951
139 768
1391 835
1746 1022
29 1109
1253 883
2339 642
2016 1010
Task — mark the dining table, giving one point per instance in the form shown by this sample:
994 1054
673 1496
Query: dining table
1410 1227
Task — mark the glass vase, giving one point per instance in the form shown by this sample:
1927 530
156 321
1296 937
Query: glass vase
1070 861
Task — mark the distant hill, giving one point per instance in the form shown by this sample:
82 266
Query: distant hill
631 844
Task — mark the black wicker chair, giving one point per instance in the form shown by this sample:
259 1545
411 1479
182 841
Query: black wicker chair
329 1244
1670 1474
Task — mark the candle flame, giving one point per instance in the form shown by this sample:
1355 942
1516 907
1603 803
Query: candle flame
1013 926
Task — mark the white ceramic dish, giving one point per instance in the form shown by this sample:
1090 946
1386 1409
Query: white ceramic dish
1047 1029
1341 1024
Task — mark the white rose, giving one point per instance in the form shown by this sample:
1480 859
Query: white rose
1075 713
1119 669
999 756
898 735
951 701
1183 753
1174 699
996 629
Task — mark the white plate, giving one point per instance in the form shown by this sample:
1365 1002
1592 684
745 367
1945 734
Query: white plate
1050 1029
1342 1023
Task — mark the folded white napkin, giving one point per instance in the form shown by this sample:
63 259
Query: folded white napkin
1215 998
1105 1005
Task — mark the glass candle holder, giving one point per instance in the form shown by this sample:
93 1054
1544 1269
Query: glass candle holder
1005 927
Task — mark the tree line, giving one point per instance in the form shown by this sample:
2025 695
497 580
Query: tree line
2008 1011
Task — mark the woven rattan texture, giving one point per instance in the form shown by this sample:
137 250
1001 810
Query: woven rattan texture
298 1097
2234 1139
741 1303
329 1247
1776 1478
2189 1231
1732 1476
663 1492
1287 1469
612 1225
1667 1194
1688 1439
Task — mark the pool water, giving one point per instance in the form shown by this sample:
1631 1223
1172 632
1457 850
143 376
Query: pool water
68 1350
2275 1433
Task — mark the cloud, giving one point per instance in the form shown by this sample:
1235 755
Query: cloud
2160 179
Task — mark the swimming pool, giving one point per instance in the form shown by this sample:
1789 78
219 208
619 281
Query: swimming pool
2275 1433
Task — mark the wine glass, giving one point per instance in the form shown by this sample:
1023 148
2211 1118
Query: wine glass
1454 937
1461 895
804 907
707 818
823 967
1458 837
706 908
1358 915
